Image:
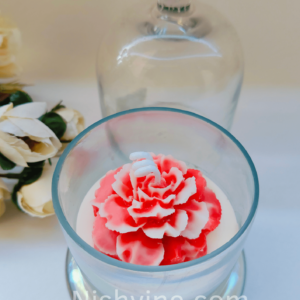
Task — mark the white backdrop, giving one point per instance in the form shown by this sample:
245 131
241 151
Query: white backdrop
61 36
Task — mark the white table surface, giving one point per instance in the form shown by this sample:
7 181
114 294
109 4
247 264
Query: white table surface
33 251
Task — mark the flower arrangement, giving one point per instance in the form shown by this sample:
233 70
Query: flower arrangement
32 137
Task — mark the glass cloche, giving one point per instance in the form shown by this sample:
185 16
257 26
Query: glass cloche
171 53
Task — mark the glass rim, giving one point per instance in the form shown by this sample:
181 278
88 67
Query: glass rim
140 268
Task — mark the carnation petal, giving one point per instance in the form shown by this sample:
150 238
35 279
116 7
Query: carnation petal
158 192
214 209
133 181
200 182
154 190
142 210
122 186
198 217
137 248
174 177
181 249
144 197
105 188
187 191
168 161
117 216
105 240
172 226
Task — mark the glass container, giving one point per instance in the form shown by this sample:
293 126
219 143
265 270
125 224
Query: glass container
171 53
194 139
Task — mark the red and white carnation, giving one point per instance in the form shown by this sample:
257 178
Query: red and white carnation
141 222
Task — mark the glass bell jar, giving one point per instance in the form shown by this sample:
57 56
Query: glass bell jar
171 53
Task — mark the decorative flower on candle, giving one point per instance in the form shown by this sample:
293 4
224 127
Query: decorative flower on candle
10 42
150 219
23 137
74 121
4 194
35 199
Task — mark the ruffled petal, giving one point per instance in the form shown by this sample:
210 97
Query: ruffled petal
148 209
172 225
105 240
214 209
133 181
200 183
122 186
165 163
180 249
154 190
137 248
198 217
105 189
188 188
144 197
118 218
173 178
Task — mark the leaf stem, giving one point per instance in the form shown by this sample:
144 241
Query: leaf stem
65 142
11 176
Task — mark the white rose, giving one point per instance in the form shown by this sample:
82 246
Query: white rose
35 199
23 138
4 194
74 120
10 42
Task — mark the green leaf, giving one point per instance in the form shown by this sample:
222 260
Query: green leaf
4 99
5 163
19 98
58 106
55 122
27 176
14 197
39 164
30 175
